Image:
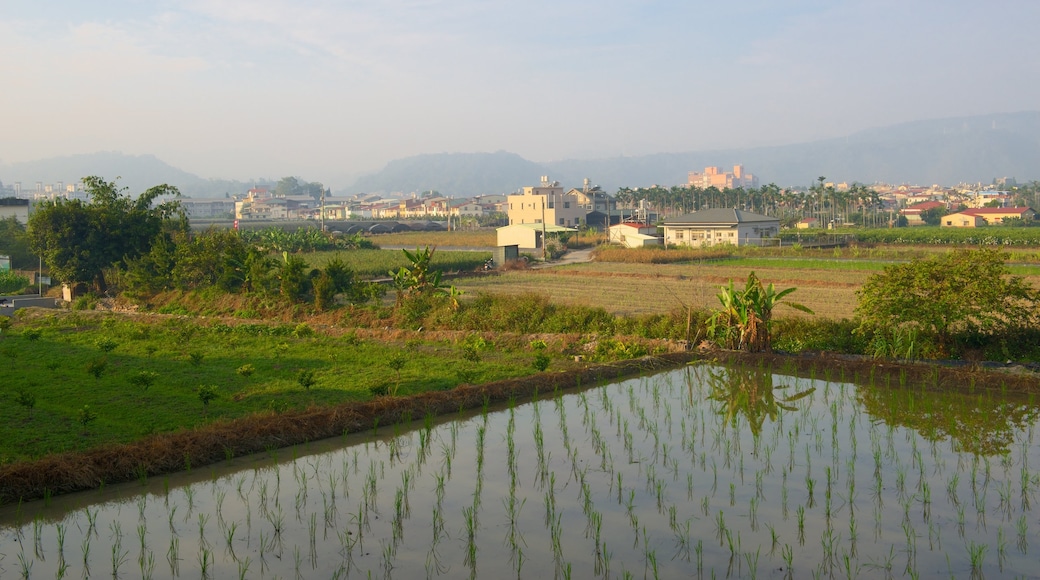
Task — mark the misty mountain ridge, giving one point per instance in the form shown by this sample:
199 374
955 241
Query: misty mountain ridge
943 151
136 173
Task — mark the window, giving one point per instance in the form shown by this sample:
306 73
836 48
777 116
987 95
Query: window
678 234
566 205
561 221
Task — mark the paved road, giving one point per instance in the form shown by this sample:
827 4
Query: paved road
8 304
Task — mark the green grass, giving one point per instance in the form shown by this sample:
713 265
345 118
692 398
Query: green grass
484 237
54 368
378 263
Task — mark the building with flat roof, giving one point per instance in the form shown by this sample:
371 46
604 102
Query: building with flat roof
719 179
546 202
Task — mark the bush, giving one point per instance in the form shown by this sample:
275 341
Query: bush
11 283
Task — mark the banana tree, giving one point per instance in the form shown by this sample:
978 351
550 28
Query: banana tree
744 322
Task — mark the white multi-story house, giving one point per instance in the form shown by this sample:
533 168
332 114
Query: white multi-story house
545 203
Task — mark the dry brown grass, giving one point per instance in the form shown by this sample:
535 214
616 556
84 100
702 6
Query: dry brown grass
658 255
633 289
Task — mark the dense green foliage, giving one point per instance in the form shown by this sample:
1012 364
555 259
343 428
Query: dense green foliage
14 242
11 282
965 291
78 240
306 239
224 261
933 235
745 319
859 204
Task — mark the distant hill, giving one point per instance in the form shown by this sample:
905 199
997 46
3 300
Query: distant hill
135 172
454 174
945 151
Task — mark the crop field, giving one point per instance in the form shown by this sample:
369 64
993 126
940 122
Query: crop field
481 238
827 286
74 381
378 263
628 289
706 472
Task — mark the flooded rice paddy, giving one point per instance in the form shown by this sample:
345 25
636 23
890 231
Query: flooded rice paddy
705 471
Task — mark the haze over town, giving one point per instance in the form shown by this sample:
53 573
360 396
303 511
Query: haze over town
331 90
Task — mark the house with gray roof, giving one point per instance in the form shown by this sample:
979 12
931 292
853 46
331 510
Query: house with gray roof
713 227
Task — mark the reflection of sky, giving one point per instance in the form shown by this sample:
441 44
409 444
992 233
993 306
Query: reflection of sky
677 464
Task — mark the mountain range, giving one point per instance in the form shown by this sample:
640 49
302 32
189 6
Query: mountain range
943 151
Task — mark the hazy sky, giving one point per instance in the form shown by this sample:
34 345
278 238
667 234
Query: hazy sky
326 89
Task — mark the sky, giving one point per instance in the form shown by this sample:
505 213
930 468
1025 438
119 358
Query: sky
328 90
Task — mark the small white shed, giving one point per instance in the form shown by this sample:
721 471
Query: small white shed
527 236
634 235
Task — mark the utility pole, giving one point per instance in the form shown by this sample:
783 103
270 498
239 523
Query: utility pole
322 207
544 198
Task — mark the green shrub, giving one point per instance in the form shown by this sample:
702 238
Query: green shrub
85 416
106 344
305 378
96 367
143 379
11 283
207 393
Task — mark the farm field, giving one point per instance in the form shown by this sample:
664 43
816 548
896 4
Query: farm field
378 263
704 471
74 381
827 286
632 289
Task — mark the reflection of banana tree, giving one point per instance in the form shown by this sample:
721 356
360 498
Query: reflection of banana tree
750 392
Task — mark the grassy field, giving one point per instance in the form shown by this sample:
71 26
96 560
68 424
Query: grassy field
628 289
482 238
378 263
251 368
827 286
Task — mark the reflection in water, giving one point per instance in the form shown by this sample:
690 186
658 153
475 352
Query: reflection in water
749 392
983 423
641 478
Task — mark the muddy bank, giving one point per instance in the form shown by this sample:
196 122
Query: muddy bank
172 452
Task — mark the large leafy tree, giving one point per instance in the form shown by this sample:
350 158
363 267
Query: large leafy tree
13 243
294 186
965 290
78 239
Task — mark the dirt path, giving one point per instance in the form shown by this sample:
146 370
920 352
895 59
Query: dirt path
571 257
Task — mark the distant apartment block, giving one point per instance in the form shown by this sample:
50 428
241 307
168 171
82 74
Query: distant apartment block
208 208
719 179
